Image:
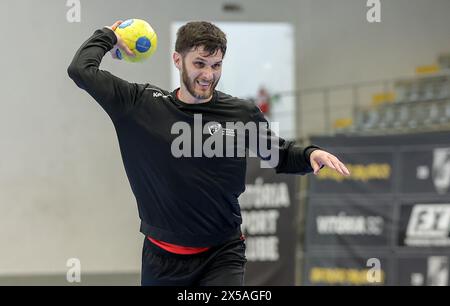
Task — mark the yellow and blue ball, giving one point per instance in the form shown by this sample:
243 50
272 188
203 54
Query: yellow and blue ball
140 37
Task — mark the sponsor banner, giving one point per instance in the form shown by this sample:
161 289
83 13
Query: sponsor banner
349 224
425 270
424 225
371 173
268 208
426 171
344 215
345 271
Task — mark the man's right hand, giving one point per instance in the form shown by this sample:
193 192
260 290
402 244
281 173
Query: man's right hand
120 43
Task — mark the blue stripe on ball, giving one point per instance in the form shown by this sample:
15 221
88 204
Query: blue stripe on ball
143 44
126 23
119 54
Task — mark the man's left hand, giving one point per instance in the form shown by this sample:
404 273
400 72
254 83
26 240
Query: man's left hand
319 158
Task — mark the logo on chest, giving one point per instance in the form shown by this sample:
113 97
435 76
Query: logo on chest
217 128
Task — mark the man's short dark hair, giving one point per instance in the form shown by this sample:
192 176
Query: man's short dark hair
200 33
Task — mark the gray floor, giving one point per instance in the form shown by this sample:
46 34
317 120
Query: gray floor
128 279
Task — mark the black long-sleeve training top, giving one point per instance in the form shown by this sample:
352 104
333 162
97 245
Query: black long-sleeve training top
189 201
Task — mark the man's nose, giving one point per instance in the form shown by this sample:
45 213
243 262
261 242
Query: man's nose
207 73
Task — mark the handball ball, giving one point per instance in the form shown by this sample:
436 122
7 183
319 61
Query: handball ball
140 37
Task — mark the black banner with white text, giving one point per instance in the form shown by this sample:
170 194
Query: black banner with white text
392 215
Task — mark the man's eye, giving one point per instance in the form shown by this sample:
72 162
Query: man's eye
217 66
199 64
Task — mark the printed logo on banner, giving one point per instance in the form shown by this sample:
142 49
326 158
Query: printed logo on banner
437 274
360 173
342 224
349 224
346 271
268 222
261 204
372 173
441 169
426 270
428 225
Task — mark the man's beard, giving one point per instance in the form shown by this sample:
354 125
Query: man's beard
190 86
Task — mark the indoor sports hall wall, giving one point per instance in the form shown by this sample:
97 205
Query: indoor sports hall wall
63 189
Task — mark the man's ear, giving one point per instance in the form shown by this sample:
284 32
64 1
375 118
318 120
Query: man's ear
177 60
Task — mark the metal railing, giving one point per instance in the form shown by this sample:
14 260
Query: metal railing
358 98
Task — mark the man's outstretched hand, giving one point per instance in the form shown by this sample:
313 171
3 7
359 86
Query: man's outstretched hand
319 158
120 43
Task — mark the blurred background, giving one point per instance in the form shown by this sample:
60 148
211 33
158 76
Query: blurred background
367 80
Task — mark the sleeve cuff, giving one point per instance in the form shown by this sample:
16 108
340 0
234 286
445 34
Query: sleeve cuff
110 33
307 152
